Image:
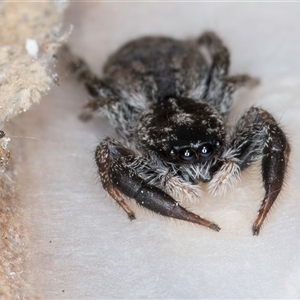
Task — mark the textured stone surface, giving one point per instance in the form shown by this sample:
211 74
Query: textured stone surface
29 38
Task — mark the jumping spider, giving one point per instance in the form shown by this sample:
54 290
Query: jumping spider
169 102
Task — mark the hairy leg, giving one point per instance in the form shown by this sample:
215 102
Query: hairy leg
105 97
220 86
256 136
218 57
121 181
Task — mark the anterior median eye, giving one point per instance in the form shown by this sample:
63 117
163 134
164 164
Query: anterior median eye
187 154
206 150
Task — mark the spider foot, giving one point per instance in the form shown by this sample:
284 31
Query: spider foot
214 227
255 229
85 116
243 80
131 216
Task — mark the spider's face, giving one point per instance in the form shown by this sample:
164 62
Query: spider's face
182 131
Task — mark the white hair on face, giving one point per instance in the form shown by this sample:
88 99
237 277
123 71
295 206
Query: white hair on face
226 177
180 190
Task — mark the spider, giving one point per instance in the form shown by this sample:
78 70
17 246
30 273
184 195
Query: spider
169 102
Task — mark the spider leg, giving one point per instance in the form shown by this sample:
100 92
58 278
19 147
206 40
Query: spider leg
121 181
220 86
218 57
99 90
257 136
232 84
105 98
103 160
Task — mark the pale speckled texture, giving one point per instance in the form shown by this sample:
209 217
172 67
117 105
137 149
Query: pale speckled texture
24 77
83 246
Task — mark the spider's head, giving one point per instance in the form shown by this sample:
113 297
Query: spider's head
182 131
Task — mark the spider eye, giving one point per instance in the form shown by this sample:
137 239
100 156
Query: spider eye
172 152
206 151
187 154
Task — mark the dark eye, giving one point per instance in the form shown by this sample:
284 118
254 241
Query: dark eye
187 154
172 153
206 150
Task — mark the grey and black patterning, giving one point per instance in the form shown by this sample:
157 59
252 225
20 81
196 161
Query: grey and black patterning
169 102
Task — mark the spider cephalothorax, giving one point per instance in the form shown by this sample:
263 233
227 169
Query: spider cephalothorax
169 102
180 130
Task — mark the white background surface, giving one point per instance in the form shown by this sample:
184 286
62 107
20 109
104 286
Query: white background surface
82 244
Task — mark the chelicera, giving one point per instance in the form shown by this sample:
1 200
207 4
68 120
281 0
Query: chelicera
169 101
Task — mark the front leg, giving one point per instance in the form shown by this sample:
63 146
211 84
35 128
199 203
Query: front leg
275 159
121 181
257 135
